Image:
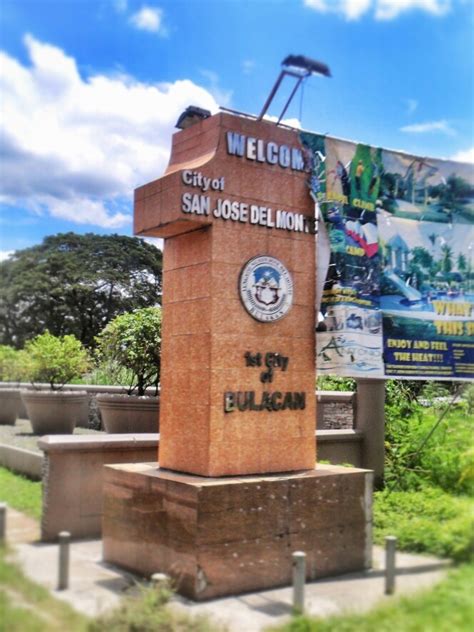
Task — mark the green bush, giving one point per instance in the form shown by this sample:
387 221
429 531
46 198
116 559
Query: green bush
149 613
426 521
56 360
12 364
468 399
108 374
335 383
133 342
420 451
7 358
447 459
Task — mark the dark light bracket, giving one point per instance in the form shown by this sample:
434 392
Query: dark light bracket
191 115
299 67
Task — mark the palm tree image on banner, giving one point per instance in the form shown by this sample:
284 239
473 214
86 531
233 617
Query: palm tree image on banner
398 295
427 288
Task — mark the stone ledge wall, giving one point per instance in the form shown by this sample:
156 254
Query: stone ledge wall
73 473
21 461
72 478
335 410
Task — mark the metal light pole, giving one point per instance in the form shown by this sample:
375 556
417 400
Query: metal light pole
299 67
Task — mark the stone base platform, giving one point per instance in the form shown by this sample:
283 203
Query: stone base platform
223 536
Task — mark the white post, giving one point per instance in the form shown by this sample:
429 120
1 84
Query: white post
159 580
299 577
3 522
390 566
63 561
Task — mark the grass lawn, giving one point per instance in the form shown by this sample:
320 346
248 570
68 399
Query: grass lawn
446 608
429 512
426 521
27 607
20 493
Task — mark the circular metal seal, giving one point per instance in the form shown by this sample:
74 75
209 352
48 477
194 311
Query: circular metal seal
266 288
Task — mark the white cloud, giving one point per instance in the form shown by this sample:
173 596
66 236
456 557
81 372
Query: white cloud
350 9
5 254
148 19
431 126
466 155
76 147
383 9
154 241
291 122
390 9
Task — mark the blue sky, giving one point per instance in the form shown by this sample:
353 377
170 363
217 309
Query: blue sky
91 90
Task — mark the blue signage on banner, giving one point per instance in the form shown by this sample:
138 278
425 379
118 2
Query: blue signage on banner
398 298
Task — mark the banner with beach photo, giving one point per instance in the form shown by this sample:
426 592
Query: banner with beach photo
398 294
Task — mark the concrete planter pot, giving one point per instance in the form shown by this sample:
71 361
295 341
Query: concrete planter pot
10 406
129 413
55 412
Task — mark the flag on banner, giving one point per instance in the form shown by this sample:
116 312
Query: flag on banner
398 294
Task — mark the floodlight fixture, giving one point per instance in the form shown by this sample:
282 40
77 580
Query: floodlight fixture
191 115
297 66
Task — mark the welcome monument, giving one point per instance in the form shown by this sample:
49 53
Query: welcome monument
236 489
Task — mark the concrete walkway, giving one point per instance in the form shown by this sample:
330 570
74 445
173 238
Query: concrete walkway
96 587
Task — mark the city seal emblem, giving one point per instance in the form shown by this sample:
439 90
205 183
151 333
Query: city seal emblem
266 288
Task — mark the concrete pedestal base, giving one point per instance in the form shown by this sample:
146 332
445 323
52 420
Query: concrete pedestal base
227 536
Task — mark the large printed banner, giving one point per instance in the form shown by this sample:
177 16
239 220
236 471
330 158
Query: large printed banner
398 294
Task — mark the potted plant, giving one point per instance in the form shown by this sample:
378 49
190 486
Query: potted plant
56 360
132 341
10 372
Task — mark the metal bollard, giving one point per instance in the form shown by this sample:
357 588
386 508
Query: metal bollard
159 580
3 522
299 577
63 561
390 567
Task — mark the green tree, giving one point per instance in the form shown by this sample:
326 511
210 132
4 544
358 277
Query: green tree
446 258
56 360
75 284
455 190
422 257
133 341
462 263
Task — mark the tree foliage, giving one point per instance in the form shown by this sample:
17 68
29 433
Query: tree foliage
133 341
12 364
75 284
56 360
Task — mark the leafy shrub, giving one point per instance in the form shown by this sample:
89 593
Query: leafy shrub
447 458
149 613
420 451
8 358
108 374
133 341
335 383
56 360
13 364
468 399
428 520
